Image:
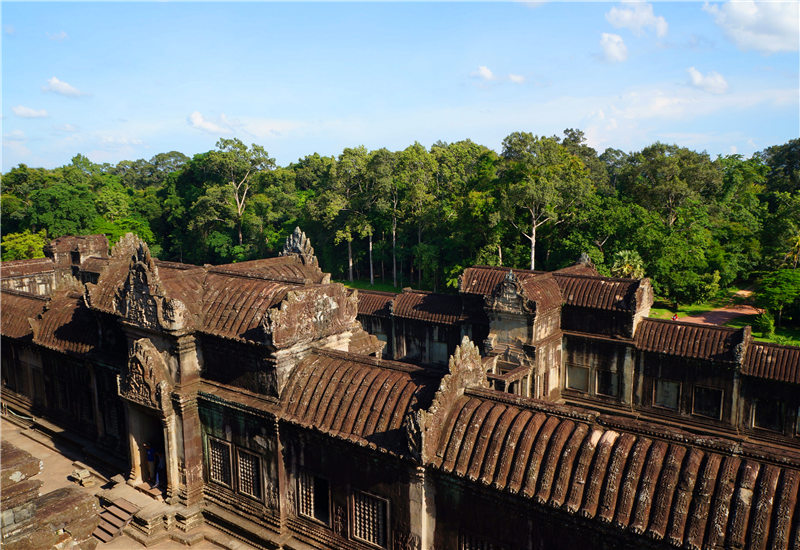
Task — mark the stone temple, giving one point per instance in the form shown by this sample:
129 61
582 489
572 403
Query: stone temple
532 410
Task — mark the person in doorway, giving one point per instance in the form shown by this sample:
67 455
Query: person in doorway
150 455
161 470
675 317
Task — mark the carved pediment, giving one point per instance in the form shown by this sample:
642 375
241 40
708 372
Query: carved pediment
298 243
509 296
141 298
310 314
146 379
465 370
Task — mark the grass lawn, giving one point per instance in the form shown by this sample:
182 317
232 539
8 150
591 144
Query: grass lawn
663 310
784 335
387 287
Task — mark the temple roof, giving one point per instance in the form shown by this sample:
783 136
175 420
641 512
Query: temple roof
690 340
578 289
67 325
375 303
356 398
16 308
17 268
689 490
773 362
445 309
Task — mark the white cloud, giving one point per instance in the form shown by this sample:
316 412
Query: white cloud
27 112
15 135
60 87
9 29
712 82
516 78
119 140
637 18
197 120
58 36
484 73
614 48
767 27
66 128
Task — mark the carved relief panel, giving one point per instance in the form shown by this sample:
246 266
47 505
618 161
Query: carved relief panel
145 380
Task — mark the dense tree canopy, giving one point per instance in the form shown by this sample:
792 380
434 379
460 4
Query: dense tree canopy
419 215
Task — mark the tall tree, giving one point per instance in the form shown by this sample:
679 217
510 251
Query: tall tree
543 183
238 164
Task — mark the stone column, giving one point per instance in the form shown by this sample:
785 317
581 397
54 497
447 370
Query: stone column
132 420
98 418
171 456
189 422
421 505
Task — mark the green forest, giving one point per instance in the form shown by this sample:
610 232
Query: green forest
419 216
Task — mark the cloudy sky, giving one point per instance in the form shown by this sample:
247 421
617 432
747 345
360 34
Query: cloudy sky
121 81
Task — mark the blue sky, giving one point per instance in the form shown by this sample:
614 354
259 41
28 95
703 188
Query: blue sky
119 81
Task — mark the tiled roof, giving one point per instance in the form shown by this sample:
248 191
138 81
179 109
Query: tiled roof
773 362
483 279
582 290
598 292
689 339
426 306
543 289
282 268
94 264
375 303
83 242
67 325
674 488
579 269
15 309
359 399
233 307
17 268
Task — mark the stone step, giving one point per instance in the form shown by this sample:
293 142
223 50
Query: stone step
126 506
113 519
118 512
102 535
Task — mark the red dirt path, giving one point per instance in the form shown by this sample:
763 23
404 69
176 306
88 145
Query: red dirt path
722 315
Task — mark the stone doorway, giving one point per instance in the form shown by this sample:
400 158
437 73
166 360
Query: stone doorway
145 427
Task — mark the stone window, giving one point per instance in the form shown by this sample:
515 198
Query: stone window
470 542
578 378
370 517
249 474
313 497
607 383
768 414
707 402
667 394
219 461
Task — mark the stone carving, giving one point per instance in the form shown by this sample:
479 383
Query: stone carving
272 496
142 299
146 379
404 540
465 370
310 314
509 295
339 519
297 243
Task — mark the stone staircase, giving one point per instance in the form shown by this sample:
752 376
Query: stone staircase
114 517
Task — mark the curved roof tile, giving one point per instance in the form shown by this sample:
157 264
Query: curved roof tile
666 489
375 303
16 308
360 399
443 309
773 362
67 326
689 339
